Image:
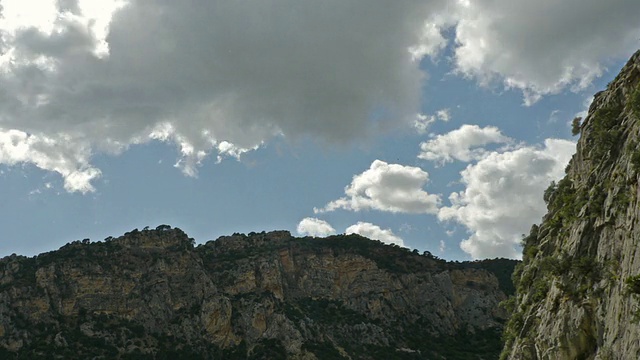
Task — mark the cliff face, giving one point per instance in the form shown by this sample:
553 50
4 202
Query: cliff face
578 285
152 294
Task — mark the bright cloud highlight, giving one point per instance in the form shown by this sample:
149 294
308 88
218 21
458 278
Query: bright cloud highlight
387 187
503 196
51 154
423 122
374 232
315 227
464 144
545 47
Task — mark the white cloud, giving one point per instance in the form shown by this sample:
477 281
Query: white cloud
431 42
229 76
423 122
462 144
387 187
443 247
543 47
374 232
315 227
444 115
51 154
212 77
503 196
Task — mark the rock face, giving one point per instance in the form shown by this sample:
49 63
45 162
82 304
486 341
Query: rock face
152 294
578 285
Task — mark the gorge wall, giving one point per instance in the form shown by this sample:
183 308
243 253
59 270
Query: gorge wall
578 287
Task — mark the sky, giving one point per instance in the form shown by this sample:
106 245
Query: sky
431 124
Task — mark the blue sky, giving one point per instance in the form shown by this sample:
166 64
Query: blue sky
431 124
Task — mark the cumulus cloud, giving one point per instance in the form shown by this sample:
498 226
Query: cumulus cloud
503 196
387 187
462 144
542 47
211 77
315 227
374 232
51 154
222 78
423 121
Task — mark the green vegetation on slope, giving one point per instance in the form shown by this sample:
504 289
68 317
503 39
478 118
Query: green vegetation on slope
164 262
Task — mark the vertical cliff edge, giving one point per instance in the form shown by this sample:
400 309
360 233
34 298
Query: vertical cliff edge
579 284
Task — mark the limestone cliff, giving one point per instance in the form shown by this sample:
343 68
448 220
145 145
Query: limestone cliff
578 286
152 294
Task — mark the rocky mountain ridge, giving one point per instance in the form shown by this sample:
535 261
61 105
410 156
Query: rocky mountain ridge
153 294
579 284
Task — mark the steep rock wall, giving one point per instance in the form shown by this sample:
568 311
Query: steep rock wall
575 288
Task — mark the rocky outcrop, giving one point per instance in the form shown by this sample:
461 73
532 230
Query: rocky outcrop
578 285
152 294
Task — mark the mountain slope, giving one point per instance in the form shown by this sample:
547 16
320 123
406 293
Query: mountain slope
578 285
152 294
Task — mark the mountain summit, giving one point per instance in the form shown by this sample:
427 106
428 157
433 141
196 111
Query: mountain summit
153 294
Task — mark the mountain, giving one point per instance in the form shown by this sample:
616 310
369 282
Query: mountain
578 288
152 294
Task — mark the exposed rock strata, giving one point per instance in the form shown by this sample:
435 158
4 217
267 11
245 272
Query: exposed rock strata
576 298
269 295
